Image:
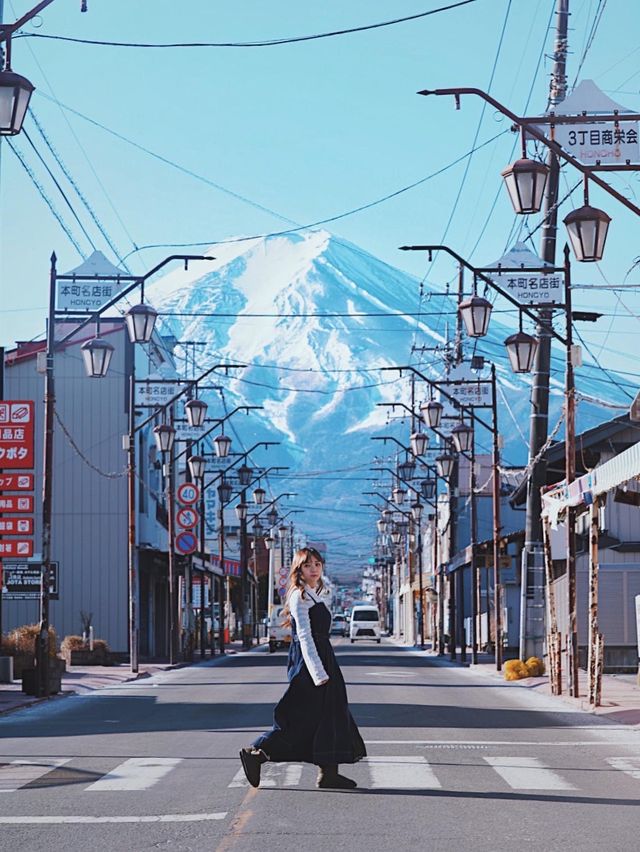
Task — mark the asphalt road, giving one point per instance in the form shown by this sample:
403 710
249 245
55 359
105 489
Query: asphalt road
457 761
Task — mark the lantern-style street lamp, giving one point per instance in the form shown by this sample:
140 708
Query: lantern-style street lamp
197 465
587 227
419 443
406 469
269 541
396 536
432 413
221 446
196 410
462 437
416 512
428 488
96 354
141 320
241 511
15 94
445 464
244 475
258 496
164 436
398 494
476 313
272 516
382 526
521 348
225 490
525 181
283 529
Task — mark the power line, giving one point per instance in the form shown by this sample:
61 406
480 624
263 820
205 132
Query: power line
265 43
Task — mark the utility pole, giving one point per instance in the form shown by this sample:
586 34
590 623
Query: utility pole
532 576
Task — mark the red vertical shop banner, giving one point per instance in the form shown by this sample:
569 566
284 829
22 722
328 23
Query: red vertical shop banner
16 434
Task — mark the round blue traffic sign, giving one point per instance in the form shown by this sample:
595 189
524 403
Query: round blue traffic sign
186 542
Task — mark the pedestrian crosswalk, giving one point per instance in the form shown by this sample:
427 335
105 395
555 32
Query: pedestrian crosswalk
381 772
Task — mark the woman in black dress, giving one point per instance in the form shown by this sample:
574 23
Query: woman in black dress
311 722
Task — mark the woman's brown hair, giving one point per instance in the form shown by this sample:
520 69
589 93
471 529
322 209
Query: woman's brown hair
295 579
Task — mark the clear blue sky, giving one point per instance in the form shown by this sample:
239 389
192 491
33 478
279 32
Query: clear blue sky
306 130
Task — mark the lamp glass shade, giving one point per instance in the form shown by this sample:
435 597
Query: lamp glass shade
445 464
222 445
225 490
428 488
398 495
272 516
386 514
432 413
241 511
258 496
96 355
476 313
419 443
244 475
406 469
165 436
587 228
15 93
141 320
416 511
382 526
525 181
462 437
197 465
521 348
269 541
396 537
196 410
283 529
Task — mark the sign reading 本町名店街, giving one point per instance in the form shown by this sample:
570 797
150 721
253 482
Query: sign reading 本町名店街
527 285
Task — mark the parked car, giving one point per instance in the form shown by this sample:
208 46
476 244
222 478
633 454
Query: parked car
279 636
365 623
339 625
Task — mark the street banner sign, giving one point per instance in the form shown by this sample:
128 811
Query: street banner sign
184 432
188 493
154 392
471 390
16 434
23 580
186 542
16 548
14 503
187 518
16 482
600 142
84 296
16 526
526 286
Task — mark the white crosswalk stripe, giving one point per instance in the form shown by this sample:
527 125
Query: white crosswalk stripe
527 773
402 773
272 775
19 773
137 773
630 766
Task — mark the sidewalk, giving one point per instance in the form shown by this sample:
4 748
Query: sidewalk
620 693
80 680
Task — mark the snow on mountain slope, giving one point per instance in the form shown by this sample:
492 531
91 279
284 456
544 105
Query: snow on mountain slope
267 304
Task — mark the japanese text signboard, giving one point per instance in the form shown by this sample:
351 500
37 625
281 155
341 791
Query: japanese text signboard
16 526
16 482
600 142
14 503
84 296
531 288
152 393
22 580
16 434
13 548
469 390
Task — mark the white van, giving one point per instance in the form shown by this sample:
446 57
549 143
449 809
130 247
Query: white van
365 623
279 636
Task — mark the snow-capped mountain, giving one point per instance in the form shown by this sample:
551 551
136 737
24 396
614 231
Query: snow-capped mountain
314 318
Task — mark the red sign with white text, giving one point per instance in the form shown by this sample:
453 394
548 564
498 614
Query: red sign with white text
16 434
16 526
16 482
13 548
14 503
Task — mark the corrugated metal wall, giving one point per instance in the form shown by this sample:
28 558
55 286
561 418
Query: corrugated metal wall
89 510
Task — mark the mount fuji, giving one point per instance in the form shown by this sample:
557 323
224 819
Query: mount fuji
314 318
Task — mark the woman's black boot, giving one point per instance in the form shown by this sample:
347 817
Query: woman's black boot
330 779
252 760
